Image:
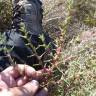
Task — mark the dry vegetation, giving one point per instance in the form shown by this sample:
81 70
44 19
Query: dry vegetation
75 20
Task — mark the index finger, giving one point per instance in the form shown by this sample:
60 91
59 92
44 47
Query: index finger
26 70
19 70
30 72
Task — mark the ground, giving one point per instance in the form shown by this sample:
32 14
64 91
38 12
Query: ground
76 22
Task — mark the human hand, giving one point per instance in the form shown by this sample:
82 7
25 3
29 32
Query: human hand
21 80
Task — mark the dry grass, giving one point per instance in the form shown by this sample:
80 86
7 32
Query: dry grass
77 64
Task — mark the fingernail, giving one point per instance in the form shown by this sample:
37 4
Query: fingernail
35 82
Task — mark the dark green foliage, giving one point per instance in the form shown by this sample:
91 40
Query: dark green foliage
43 52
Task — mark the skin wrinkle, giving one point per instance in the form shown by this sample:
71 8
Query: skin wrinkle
22 91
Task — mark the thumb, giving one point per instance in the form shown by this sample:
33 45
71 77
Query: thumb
28 89
31 87
43 92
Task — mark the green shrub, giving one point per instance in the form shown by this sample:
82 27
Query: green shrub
5 14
